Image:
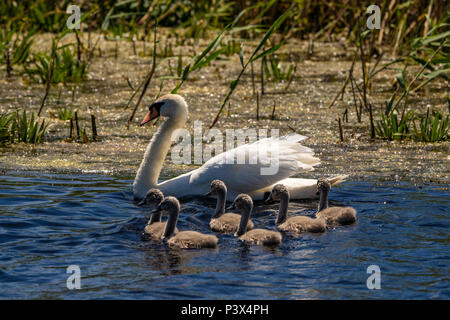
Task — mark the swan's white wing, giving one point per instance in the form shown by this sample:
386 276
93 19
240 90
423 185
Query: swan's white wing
261 164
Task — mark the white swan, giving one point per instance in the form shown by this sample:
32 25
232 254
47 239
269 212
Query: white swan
292 158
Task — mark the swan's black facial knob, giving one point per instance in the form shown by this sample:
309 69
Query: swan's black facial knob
154 111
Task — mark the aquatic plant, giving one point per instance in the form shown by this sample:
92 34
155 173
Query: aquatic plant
432 128
276 72
391 128
65 114
66 67
231 47
431 52
401 21
48 15
15 51
7 127
44 15
29 131
14 126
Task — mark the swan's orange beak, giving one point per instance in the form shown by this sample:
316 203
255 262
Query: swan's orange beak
152 114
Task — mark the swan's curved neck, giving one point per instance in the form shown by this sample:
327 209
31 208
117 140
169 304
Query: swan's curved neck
282 213
245 216
171 223
220 205
323 201
151 165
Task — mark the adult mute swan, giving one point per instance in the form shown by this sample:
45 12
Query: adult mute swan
290 156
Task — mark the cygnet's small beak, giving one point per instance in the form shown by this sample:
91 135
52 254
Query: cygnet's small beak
231 207
208 194
269 199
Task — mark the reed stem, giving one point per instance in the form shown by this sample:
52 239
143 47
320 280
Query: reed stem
257 106
341 133
94 128
77 126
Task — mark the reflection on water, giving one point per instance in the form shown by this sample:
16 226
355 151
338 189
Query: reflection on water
48 222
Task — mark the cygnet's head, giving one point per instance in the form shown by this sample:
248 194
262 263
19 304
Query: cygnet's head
278 191
217 187
153 197
323 185
171 106
169 204
242 202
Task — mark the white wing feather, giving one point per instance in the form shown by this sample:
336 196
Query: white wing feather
292 158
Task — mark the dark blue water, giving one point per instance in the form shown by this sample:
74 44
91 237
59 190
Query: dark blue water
48 222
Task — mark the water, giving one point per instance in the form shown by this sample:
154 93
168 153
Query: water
48 222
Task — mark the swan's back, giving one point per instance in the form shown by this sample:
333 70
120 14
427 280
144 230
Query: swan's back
338 215
192 240
228 223
300 224
262 237
265 162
